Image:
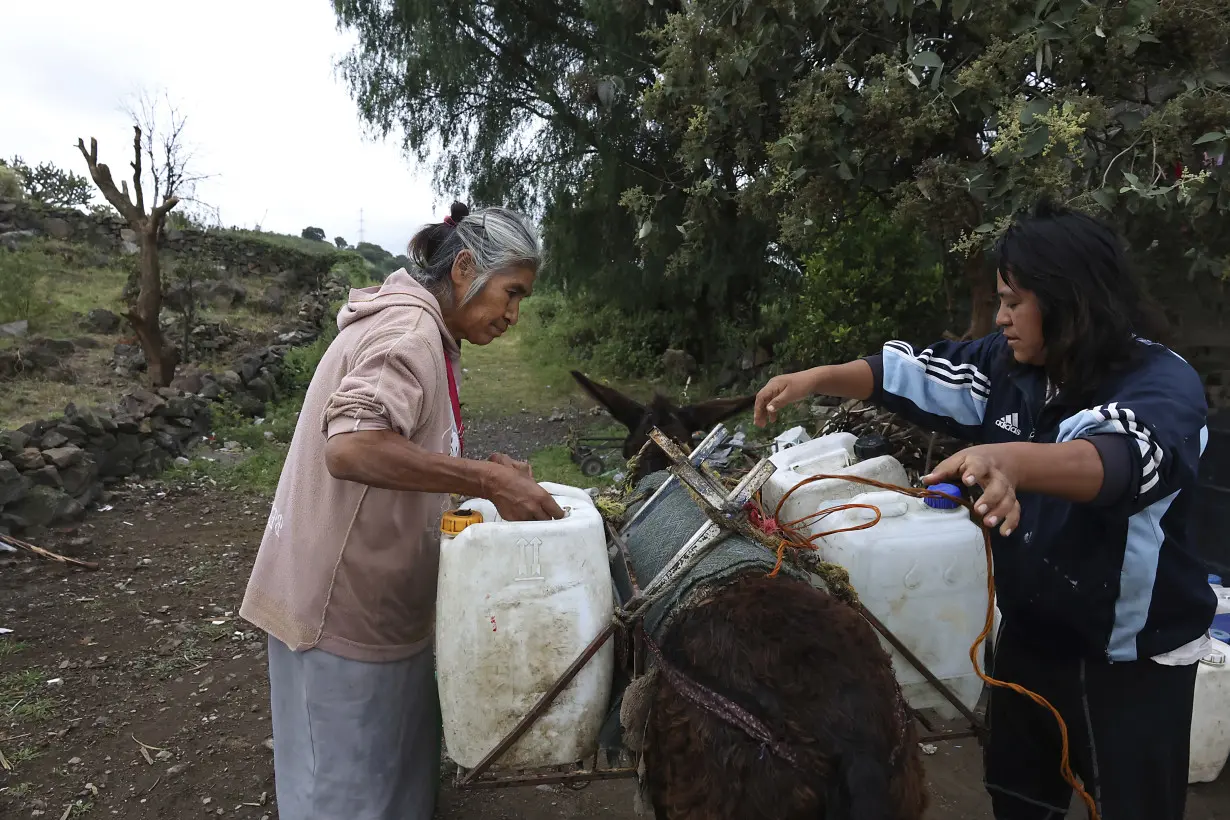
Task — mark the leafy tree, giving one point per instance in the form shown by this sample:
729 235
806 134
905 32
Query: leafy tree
314 234
372 252
10 183
687 157
51 185
956 114
536 104
340 242
869 280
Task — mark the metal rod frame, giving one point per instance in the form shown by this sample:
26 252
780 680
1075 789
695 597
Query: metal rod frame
726 505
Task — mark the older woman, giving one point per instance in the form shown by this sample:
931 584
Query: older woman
345 579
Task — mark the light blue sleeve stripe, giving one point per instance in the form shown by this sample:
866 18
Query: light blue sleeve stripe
907 377
1136 580
1083 424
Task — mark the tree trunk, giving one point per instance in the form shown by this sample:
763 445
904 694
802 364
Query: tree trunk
160 357
981 297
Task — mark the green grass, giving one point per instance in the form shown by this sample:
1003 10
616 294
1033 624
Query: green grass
46 282
24 754
22 695
296 243
555 464
510 374
257 472
9 648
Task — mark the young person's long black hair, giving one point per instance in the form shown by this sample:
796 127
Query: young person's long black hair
1092 306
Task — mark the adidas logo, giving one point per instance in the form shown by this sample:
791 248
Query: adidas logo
1011 423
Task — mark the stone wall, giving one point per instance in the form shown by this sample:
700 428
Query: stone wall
241 253
52 470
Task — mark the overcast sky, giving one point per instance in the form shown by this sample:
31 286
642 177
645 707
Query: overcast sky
266 112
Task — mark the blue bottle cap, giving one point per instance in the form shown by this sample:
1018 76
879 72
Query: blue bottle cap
1215 579
943 503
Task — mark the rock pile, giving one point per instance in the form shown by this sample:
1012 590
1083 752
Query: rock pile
239 253
52 470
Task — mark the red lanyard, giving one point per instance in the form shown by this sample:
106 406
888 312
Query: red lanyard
456 399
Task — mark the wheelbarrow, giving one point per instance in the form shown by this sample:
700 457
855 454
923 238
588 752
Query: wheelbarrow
587 453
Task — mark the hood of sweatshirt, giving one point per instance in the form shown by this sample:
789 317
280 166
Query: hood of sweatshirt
400 289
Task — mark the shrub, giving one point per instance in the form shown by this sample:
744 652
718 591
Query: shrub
598 336
10 184
865 283
23 279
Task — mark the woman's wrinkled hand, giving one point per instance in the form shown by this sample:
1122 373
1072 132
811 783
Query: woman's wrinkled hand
515 494
992 468
520 466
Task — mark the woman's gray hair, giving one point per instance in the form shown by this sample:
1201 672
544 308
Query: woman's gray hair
497 239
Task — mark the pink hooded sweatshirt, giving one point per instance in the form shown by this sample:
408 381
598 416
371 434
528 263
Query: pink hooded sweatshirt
344 567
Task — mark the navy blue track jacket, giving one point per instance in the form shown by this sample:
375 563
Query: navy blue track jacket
1115 579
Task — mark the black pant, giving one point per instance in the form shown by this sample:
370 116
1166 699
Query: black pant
1129 730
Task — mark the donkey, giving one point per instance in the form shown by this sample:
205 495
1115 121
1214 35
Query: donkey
802 663
677 422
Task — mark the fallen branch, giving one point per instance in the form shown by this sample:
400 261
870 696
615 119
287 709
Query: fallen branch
145 750
47 554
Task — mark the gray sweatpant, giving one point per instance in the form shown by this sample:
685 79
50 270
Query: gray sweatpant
353 740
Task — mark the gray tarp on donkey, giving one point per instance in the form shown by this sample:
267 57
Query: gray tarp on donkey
652 541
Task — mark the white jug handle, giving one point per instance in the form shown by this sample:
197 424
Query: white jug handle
567 492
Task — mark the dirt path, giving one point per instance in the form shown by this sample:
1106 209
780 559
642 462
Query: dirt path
146 657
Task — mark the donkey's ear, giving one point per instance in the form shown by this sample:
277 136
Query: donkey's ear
623 409
707 414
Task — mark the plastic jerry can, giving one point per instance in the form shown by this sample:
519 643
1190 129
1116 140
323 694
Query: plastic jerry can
921 570
1210 743
1221 620
831 454
517 602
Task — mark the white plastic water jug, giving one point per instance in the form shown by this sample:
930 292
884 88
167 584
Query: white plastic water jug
832 454
517 603
1210 743
922 571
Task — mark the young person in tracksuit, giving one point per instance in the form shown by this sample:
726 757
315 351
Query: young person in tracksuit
1087 438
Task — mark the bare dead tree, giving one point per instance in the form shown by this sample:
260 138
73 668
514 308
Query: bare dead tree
168 160
170 157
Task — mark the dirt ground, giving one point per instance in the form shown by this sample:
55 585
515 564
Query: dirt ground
135 691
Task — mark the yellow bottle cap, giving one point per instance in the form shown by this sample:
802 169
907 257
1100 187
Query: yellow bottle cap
454 521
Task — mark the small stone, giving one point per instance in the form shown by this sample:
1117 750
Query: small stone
28 459
15 329
74 761
54 439
178 768
268 743
65 456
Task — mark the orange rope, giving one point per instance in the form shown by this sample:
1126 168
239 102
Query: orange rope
796 540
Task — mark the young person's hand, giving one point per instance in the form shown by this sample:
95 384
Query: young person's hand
780 392
993 468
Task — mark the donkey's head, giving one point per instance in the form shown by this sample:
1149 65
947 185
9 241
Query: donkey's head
679 423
